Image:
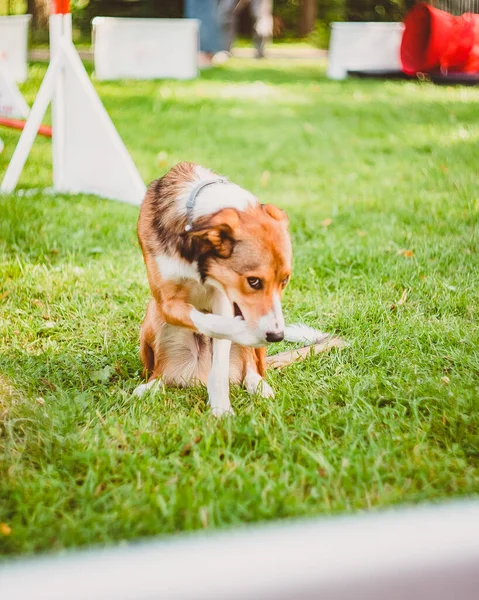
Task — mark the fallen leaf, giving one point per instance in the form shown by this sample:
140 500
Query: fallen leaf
187 447
54 251
445 380
48 384
162 159
443 168
204 516
46 317
361 233
265 178
99 489
406 253
40 400
403 298
5 529
4 295
326 222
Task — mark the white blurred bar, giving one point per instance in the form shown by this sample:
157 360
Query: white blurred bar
416 554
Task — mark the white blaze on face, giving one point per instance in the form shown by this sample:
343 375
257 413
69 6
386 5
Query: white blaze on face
273 322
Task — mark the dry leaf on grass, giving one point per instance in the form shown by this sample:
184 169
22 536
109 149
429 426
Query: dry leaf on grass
5 529
99 489
403 298
48 384
445 380
361 233
265 178
4 295
187 447
326 222
162 159
406 253
204 516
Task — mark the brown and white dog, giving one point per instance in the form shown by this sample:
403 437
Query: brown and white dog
217 262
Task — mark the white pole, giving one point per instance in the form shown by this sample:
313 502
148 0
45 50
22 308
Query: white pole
58 103
31 127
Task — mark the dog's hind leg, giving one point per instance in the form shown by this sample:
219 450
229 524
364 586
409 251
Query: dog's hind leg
148 332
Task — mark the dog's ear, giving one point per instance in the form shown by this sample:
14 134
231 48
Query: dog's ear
216 233
275 213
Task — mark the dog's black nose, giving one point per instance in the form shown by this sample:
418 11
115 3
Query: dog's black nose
271 336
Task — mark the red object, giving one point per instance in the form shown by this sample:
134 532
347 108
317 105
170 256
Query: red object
45 130
434 39
60 7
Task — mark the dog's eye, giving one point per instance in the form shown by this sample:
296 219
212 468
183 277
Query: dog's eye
285 281
255 283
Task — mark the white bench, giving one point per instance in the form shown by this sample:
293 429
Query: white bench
145 48
14 45
364 46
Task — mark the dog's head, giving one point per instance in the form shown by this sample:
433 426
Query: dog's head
249 254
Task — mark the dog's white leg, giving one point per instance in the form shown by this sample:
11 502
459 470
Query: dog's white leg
219 326
142 389
218 379
255 384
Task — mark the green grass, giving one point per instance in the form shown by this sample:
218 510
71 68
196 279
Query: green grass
391 419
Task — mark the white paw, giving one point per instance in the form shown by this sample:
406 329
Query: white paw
241 334
144 388
219 395
255 384
264 389
222 411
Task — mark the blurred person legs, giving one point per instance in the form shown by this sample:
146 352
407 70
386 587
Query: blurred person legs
262 12
206 11
227 19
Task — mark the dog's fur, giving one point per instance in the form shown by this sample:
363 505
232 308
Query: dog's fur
209 319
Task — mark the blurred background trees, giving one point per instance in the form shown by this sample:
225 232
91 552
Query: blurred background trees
292 18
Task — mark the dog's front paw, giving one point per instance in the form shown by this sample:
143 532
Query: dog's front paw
244 336
264 389
219 396
222 411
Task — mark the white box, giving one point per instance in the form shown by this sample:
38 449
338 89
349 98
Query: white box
14 45
358 46
145 48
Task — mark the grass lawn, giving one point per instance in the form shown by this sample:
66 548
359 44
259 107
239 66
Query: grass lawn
380 180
